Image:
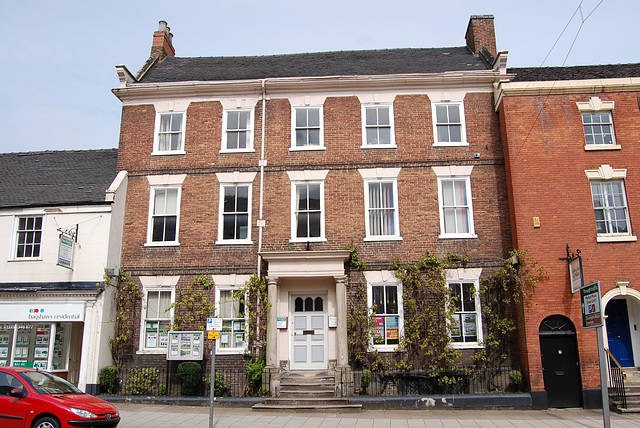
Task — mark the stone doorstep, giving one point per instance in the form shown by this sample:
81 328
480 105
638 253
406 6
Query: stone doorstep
346 408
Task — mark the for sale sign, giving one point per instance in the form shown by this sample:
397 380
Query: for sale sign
591 305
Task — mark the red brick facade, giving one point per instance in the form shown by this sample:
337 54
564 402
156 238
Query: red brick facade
546 158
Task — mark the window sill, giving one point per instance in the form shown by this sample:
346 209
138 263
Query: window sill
26 259
384 348
602 147
161 244
379 146
625 238
235 242
461 144
467 345
304 240
382 238
461 236
173 152
152 351
251 150
307 148
231 351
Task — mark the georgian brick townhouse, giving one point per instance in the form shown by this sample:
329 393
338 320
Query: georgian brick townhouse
276 165
571 147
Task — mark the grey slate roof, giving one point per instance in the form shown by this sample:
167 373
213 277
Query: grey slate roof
34 179
341 63
531 74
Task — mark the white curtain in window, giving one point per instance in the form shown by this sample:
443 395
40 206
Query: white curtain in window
381 209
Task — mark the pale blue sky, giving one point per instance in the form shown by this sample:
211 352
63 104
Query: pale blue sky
58 62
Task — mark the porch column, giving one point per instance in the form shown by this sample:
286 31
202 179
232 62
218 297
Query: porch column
341 306
272 348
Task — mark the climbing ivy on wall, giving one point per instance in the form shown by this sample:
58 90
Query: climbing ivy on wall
128 300
193 305
256 305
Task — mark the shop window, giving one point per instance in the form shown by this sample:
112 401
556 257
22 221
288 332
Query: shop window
29 345
232 311
157 318
386 304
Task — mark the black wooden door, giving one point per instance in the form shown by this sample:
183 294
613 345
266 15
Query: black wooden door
561 371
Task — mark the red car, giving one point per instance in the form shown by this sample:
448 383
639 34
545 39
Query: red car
31 398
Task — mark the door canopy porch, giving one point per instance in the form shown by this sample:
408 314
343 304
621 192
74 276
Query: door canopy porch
295 264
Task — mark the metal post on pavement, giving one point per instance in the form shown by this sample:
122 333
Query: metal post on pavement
213 371
606 416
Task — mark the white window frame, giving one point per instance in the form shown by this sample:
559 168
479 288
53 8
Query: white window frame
14 247
467 276
163 182
306 178
294 128
225 131
463 127
152 284
156 134
376 176
455 173
607 174
595 106
384 278
219 348
392 137
234 179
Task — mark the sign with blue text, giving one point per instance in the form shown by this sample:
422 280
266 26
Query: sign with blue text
591 305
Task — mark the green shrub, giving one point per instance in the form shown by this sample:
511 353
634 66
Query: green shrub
254 370
162 389
190 374
109 380
515 376
221 387
365 381
141 380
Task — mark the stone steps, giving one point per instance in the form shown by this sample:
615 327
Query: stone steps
632 391
307 392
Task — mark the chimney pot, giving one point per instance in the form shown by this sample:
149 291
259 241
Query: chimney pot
162 45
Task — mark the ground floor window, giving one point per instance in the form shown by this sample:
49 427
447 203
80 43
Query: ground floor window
157 319
386 305
466 327
231 310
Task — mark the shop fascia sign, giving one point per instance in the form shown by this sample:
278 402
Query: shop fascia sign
68 240
38 312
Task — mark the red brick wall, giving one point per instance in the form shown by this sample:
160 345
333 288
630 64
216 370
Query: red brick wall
545 157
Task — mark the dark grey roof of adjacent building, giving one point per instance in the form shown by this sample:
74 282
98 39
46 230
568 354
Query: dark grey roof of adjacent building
341 63
56 177
580 72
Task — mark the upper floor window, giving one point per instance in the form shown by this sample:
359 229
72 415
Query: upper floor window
449 127
169 138
307 129
598 128
382 209
238 130
157 318
235 212
610 204
597 122
454 197
377 123
466 328
29 237
307 205
164 215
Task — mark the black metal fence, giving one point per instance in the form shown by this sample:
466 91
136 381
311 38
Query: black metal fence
617 391
423 382
153 381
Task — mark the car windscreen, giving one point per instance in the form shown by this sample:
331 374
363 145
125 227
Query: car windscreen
46 383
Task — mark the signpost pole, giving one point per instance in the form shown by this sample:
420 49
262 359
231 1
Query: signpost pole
213 372
603 379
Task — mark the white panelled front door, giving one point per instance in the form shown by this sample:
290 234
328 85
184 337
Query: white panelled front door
308 329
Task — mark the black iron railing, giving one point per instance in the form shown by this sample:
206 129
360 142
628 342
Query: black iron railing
616 381
426 382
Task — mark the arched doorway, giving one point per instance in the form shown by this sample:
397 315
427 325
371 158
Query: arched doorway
619 331
560 363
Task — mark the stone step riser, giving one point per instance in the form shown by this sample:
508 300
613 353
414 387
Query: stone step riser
317 388
316 409
306 394
308 402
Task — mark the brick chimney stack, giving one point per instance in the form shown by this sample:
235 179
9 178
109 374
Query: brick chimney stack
162 42
481 34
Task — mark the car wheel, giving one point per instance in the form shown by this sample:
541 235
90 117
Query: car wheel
47 422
